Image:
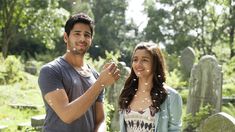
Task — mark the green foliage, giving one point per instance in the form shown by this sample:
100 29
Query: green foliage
111 56
192 122
110 26
13 69
229 88
174 79
200 24
98 64
47 26
23 19
172 61
18 93
3 73
83 6
21 91
109 109
199 4
184 95
11 117
229 78
32 66
229 109
47 56
230 69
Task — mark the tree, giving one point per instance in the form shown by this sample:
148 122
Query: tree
110 26
231 27
39 20
198 23
112 32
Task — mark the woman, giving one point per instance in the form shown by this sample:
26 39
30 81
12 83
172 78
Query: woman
146 102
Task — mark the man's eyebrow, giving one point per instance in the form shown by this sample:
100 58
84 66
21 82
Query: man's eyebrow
78 31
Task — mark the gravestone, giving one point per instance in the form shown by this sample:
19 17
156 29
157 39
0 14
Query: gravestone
23 125
37 121
23 106
2 128
205 85
187 59
30 68
227 100
220 122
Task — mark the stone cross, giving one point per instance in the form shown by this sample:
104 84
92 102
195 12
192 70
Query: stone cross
205 85
220 122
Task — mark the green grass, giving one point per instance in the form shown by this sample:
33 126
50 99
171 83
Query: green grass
229 109
24 93
28 93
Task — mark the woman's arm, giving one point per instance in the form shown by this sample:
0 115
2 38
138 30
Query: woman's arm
175 113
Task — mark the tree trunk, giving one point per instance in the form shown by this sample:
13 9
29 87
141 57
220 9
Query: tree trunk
7 34
6 37
5 45
231 41
231 33
8 26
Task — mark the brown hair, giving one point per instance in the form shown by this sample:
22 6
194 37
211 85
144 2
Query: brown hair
158 93
79 18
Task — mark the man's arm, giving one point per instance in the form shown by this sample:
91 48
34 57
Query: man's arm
70 111
100 125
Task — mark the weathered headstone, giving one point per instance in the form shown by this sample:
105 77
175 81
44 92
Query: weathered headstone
30 68
24 106
205 85
24 125
220 122
2 128
187 59
37 121
227 100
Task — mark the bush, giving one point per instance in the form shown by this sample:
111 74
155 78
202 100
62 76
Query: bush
109 109
192 122
229 78
13 69
174 79
230 109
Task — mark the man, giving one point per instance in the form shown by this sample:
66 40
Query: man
72 91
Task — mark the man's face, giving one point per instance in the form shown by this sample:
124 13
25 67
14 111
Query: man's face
79 40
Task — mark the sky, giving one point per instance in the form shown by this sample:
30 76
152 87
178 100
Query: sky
134 11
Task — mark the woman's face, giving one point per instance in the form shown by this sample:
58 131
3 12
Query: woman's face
142 63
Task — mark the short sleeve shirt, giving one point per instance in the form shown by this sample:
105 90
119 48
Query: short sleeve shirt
59 74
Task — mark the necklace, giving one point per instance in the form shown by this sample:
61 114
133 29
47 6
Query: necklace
85 72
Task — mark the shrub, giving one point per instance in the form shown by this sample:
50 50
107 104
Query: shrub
174 79
192 122
109 109
13 69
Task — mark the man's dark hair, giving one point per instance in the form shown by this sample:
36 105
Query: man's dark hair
79 18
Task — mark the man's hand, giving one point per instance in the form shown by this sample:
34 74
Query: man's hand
109 75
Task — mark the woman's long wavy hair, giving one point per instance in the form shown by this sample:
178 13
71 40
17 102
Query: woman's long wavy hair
158 92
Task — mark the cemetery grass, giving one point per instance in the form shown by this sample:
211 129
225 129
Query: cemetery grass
24 93
229 109
28 93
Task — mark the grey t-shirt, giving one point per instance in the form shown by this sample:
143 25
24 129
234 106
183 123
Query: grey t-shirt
60 74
